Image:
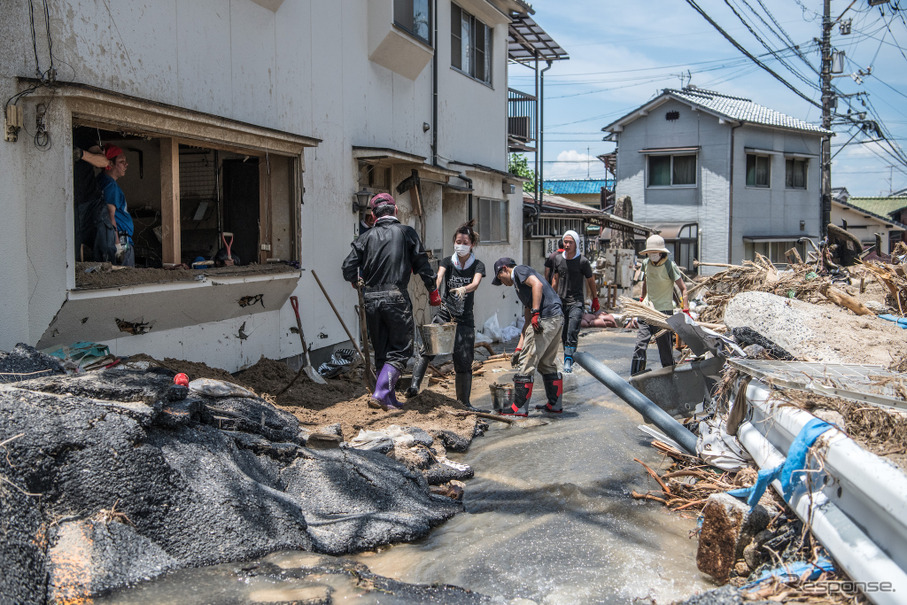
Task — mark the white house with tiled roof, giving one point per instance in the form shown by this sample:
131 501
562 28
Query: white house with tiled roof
721 176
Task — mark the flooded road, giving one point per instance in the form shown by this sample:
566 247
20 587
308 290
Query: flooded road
548 518
549 515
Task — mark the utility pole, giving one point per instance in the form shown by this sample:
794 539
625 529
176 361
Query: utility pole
827 103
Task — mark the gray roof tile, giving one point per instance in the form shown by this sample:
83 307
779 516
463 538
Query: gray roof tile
738 108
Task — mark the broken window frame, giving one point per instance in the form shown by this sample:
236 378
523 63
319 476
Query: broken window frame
89 106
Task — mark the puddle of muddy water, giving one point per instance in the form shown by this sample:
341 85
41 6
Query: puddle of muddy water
548 518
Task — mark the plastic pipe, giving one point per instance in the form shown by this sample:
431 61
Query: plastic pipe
639 402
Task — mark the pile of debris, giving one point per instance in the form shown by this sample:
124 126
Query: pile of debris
808 396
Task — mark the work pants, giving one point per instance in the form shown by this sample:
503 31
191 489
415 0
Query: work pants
540 348
389 318
464 344
573 317
643 338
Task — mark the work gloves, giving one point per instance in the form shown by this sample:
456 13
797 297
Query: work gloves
434 299
536 325
459 292
515 358
595 306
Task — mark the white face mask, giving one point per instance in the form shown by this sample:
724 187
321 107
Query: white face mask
655 257
462 249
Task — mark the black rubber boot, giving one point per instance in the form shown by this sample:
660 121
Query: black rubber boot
637 366
522 392
554 389
463 381
418 374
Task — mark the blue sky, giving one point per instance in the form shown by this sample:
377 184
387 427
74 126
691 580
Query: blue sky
623 54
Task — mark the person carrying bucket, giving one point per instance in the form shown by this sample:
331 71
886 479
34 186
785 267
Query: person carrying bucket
661 275
540 340
461 274
385 256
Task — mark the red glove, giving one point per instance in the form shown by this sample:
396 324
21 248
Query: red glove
595 306
642 298
535 323
434 299
687 311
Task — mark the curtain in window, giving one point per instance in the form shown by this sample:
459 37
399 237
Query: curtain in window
684 172
659 170
456 38
757 170
796 174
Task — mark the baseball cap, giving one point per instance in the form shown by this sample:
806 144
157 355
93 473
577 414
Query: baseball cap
112 151
380 200
504 261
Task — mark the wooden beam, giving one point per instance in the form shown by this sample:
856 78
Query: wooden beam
170 201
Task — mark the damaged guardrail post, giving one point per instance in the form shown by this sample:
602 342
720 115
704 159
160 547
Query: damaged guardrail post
642 404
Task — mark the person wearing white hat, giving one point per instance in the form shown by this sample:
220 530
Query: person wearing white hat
661 275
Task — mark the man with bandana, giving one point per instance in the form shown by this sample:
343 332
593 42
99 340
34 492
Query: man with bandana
570 273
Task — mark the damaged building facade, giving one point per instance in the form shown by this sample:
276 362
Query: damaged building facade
260 118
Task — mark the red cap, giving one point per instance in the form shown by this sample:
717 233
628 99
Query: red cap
181 379
112 151
380 200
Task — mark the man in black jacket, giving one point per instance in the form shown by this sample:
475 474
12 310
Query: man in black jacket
385 256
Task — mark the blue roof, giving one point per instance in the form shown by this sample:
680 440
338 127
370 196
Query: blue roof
578 186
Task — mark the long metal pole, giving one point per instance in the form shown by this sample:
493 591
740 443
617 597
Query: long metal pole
639 402
827 101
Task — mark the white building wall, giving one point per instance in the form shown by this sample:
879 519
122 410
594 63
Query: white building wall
303 69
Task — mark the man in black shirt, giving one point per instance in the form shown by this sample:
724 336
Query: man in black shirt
572 271
539 341
385 256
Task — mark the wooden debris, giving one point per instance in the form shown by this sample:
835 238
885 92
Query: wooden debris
844 300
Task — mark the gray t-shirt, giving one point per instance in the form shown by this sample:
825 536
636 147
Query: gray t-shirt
551 302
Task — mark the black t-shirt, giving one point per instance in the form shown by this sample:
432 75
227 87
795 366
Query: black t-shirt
456 278
551 302
572 276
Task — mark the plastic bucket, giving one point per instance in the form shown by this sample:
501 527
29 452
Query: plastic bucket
438 339
501 396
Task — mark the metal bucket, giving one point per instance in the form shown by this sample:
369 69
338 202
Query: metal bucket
438 338
501 396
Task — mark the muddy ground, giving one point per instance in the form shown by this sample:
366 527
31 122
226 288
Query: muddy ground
90 276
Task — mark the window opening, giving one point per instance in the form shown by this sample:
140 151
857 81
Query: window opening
414 17
470 45
493 221
672 170
758 170
795 173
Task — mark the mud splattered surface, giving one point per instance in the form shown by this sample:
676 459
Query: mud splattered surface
90 276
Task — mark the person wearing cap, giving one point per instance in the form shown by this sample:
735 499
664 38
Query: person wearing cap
385 256
570 273
93 233
661 275
540 339
116 204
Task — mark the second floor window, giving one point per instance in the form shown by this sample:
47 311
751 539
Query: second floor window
795 173
493 220
470 45
414 17
758 170
672 170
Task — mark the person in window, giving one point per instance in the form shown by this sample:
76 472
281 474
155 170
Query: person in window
116 205
540 338
660 277
91 235
385 256
572 271
461 275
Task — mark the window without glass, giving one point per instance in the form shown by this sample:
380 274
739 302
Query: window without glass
672 170
414 17
758 170
493 221
795 173
470 45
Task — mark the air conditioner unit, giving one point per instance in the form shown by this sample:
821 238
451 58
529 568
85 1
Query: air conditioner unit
519 127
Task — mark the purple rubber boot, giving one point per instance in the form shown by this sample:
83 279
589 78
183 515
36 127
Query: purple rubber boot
384 396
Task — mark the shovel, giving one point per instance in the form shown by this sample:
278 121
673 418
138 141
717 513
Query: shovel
306 365
229 261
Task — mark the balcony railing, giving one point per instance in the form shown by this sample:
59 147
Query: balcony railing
520 120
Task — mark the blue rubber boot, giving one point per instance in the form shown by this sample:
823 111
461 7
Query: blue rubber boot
568 359
384 396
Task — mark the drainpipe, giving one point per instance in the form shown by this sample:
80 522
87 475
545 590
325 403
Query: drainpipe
541 142
434 92
730 205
